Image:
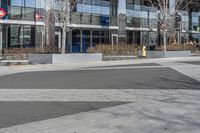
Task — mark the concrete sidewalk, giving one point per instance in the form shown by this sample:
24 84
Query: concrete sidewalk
4 70
147 110
155 111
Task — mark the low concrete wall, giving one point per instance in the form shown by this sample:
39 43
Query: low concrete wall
64 58
76 58
169 54
40 58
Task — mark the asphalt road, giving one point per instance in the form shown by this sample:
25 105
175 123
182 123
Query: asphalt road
145 78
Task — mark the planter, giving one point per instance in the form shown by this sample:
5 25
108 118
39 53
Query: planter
64 58
169 54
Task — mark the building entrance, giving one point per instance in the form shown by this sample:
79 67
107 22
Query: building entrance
58 40
114 40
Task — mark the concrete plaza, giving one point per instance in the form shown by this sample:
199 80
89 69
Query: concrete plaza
140 96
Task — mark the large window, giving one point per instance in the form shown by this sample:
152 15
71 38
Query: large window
21 13
85 40
16 3
140 16
96 38
21 36
40 4
94 12
22 9
23 3
76 45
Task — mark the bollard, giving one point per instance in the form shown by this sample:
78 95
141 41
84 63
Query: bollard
144 51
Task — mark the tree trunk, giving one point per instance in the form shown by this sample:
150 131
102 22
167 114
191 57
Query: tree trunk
63 47
165 43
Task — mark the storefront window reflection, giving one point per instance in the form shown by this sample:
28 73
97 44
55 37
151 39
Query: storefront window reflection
22 9
21 36
23 3
96 12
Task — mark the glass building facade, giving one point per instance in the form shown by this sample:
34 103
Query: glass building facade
92 23
141 22
20 28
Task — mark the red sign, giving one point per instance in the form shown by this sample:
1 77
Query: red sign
37 16
2 12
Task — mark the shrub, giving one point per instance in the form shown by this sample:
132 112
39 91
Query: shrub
176 47
114 50
91 50
22 53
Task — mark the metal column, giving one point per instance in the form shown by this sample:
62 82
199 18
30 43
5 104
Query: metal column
81 41
91 38
70 41
1 44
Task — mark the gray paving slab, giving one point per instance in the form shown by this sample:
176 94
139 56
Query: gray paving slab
190 70
15 113
165 109
129 65
178 114
155 78
192 62
2 64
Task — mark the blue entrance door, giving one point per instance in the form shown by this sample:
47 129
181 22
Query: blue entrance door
76 45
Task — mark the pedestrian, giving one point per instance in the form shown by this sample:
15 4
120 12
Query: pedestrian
191 42
198 46
195 43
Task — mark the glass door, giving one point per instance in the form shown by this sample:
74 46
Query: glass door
114 40
58 40
76 43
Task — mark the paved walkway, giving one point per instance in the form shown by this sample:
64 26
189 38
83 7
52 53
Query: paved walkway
105 95
165 111
187 69
77 66
148 111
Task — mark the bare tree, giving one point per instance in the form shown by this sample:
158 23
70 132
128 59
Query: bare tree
62 17
62 11
167 15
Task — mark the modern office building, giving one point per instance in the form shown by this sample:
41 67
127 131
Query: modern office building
21 26
92 22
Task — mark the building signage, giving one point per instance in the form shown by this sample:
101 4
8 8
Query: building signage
2 12
38 16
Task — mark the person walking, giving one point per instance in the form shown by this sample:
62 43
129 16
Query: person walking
191 42
198 46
